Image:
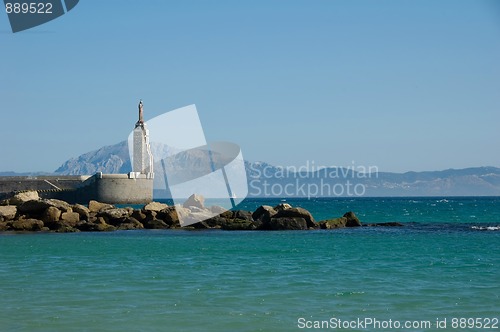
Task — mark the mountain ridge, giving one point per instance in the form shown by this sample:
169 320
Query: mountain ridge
471 181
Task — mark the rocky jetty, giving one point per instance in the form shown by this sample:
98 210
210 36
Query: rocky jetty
28 212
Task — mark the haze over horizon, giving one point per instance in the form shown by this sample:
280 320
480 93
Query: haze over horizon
404 86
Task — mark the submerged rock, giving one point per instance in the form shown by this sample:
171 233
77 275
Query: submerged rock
384 224
297 213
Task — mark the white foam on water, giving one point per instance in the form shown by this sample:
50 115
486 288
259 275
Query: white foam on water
486 228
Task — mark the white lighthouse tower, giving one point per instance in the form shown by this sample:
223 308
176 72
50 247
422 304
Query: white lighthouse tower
142 156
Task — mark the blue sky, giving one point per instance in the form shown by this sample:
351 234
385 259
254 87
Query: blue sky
402 85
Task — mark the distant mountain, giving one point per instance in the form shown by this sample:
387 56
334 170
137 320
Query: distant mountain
109 159
267 180
11 173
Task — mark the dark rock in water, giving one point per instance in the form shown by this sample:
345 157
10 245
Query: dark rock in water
95 206
51 215
297 213
238 225
227 214
196 201
169 216
286 223
139 215
155 224
200 225
130 224
4 226
150 215
67 229
384 224
98 226
27 225
215 222
242 214
264 213
333 223
33 207
352 220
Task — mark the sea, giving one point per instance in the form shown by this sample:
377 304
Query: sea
438 272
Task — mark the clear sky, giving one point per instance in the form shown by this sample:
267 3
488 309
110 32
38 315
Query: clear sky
402 85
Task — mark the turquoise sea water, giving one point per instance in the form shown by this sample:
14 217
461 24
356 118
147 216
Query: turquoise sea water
444 263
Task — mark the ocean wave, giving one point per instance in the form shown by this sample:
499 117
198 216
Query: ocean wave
486 228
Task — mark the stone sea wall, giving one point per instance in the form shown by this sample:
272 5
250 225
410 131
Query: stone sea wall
29 213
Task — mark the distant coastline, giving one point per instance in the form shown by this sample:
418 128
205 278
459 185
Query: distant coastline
272 182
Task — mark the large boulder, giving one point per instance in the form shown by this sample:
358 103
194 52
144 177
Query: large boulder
196 201
243 214
23 197
216 222
333 223
70 218
8 212
33 207
170 215
95 206
82 210
51 215
352 220
61 205
27 225
139 215
286 223
297 213
264 213
155 206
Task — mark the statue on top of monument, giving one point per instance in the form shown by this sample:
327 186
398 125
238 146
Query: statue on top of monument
141 113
